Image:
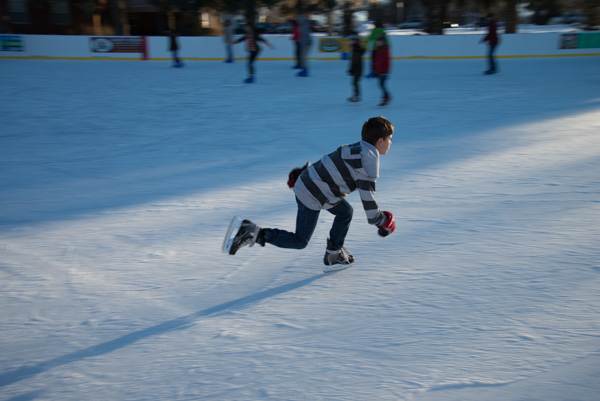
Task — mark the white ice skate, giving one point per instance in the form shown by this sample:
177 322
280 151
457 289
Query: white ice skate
240 233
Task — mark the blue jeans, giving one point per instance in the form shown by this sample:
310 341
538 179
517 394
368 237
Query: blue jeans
491 60
176 60
382 79
251 57
306 221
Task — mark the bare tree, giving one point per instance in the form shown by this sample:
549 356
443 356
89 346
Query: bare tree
509 13
114 10
510 16
328 7
120 17
436 15
5 19
591 8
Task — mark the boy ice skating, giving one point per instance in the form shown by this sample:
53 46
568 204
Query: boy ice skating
324 185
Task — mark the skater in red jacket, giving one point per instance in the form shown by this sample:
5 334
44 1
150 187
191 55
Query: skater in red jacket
381 66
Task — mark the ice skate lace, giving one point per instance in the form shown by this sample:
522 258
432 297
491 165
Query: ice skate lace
345 253
342 256
249 241
249 238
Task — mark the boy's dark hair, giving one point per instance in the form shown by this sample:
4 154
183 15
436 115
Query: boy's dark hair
375 128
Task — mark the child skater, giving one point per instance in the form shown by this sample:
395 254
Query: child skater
252 38
324 185
356 66
381 66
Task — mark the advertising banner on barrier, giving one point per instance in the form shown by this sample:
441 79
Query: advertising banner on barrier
332 45
11 43
341 45
117 44
580 41
337 44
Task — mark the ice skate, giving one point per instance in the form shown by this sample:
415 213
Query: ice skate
248 234
385 101
336 259
354 99
249 80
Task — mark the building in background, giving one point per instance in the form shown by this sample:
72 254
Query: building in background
103 17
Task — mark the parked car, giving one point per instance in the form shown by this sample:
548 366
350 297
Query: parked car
265 27
284 28
261 27
572 18
364 27
415 23
450 25
317 27
239 29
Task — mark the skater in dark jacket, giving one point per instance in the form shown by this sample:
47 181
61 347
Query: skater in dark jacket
252 38
381 67
493 40
174 48
324 185
356 66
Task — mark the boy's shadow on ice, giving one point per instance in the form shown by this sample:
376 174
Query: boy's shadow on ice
159 329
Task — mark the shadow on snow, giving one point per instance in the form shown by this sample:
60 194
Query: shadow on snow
179 323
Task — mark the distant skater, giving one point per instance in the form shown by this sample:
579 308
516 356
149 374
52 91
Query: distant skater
228 38
372 45
174 48
251 38
493 41
381 67
297 47
356 67
305 43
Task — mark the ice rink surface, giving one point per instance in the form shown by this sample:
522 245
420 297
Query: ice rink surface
118 180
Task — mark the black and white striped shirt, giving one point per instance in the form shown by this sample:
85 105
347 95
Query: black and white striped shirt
324 184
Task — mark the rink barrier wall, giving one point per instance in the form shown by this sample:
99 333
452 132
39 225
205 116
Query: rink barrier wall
211 48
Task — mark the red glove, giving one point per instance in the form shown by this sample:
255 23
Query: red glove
388 226
294 174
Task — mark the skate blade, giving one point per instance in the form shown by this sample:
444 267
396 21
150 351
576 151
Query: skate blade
234 226
335 268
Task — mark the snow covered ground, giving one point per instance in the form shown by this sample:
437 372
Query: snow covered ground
118 180
464 30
